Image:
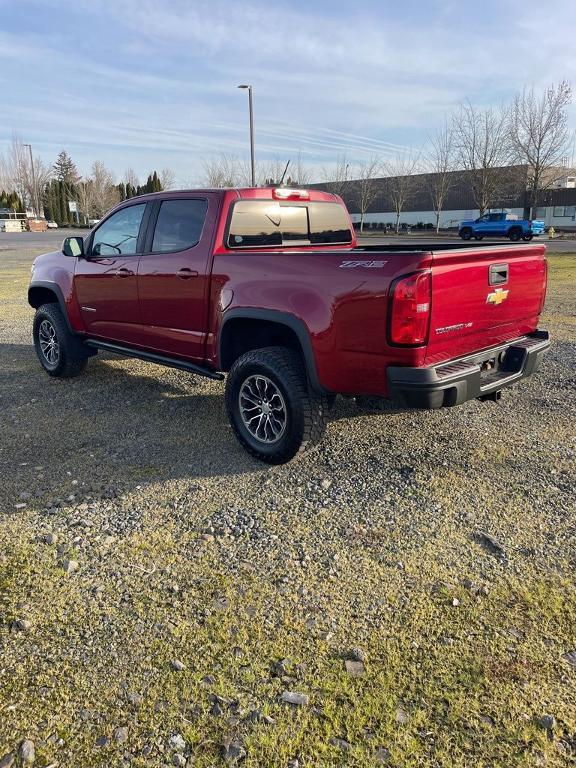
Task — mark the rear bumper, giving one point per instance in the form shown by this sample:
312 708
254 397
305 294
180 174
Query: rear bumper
455 382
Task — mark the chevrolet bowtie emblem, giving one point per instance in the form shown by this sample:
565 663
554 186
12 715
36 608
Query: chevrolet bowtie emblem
497 296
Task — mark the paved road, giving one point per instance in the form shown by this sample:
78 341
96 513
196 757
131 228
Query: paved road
52 240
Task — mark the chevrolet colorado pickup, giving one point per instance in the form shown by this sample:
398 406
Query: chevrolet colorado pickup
269 286
500 225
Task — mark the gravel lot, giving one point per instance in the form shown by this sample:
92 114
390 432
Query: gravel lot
409 585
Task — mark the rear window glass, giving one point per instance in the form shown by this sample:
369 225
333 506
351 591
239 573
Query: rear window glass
179 225
267 223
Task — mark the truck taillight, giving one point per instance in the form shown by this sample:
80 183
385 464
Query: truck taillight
410 309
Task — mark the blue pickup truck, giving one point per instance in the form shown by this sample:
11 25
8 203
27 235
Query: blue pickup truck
500 225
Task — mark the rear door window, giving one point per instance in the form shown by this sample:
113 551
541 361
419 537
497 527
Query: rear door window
179 225
267 223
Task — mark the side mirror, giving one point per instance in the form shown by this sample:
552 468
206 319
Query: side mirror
73 246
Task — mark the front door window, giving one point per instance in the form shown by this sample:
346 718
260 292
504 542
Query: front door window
118 236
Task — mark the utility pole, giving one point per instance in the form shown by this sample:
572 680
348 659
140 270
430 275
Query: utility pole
35 201
251 110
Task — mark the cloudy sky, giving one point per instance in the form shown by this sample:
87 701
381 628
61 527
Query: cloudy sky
148 84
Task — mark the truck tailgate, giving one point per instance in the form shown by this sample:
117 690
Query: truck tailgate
482 297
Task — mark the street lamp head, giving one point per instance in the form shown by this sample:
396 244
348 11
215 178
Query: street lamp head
244 86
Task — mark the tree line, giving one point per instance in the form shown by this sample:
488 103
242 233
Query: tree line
49 190
530 134
526 143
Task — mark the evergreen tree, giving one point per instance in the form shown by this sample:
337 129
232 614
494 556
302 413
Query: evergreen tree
65 189
63 199
11 200
65 169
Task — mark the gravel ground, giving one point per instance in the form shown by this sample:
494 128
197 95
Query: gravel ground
403 595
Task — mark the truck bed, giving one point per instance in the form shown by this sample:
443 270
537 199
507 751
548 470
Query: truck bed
482 296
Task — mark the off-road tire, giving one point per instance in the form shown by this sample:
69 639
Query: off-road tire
527 238
515 234
465 233
305 409
70 359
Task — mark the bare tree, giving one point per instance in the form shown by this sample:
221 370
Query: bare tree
291 172
482 148
538 129
167 178
5 180
442 166
366 185
401 184
221 171
18 171
39 179
85 199
28 178
130 177
299 174
335 177
269 173
97 193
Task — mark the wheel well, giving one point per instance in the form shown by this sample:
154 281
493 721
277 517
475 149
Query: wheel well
515 228
241 335
38 296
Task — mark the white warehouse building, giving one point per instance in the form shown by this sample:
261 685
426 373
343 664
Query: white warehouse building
556 206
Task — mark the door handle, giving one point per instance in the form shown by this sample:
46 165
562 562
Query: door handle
123 272
185 273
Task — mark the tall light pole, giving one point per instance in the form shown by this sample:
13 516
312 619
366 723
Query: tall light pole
251 109
34 190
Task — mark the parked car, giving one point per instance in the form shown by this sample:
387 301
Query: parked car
500 225
51 224
93 222
268 286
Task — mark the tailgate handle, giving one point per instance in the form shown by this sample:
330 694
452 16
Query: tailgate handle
498 274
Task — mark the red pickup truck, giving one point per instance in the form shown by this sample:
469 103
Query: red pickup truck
269 286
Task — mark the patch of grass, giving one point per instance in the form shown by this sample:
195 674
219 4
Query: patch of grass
561 266
444 685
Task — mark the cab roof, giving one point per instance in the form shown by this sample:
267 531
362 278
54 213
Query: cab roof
249 193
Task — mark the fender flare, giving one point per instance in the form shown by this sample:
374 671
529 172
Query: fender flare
55 288
281 318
